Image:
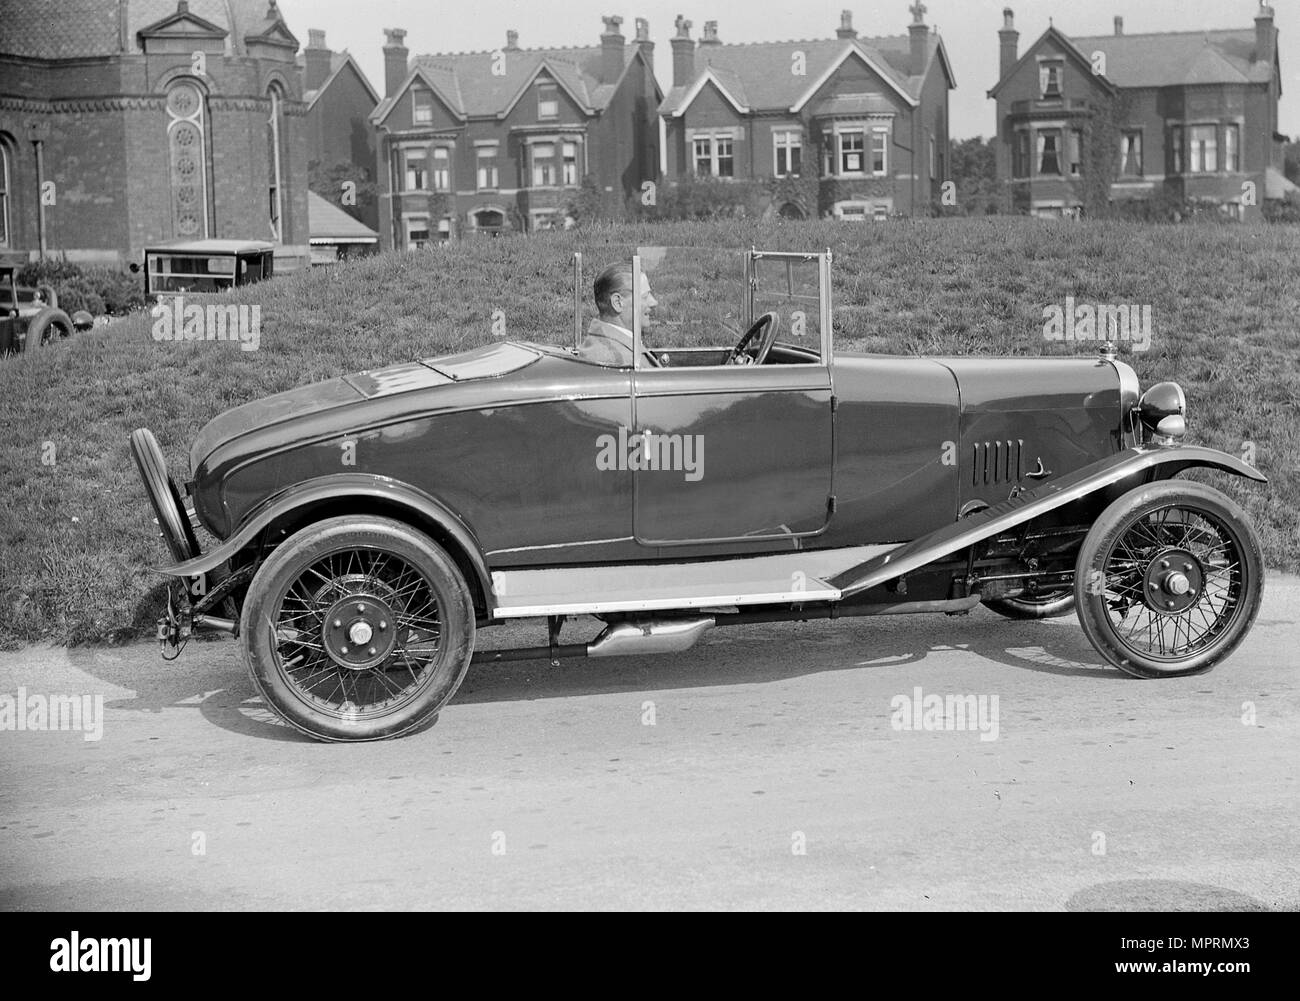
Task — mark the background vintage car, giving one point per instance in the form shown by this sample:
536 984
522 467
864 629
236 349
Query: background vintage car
368 525
29 317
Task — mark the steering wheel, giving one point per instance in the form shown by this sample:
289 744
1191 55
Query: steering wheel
764 331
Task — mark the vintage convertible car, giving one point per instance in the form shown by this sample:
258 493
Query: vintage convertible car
368 526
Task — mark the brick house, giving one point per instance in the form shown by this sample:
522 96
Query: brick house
1190 114
850 127
497 141
128 122
339 100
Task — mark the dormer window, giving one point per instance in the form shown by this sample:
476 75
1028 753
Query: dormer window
1049 78
548 101
422 110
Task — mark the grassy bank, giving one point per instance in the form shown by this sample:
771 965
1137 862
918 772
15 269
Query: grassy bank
74 523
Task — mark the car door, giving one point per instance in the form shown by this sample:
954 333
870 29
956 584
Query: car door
722 453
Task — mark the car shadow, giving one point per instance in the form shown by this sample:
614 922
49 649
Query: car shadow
216 684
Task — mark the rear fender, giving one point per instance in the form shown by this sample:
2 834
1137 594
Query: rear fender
360 491
1166 461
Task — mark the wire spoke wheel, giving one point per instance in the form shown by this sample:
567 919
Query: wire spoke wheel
356 632
366 629
1173 582
1169 579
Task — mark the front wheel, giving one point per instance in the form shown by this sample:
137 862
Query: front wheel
358 628
1169 579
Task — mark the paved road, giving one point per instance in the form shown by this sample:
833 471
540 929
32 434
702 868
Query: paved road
772 775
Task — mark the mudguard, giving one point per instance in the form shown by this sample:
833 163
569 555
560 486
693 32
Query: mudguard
1030 504
349 486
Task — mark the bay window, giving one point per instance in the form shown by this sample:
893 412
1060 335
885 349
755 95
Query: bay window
1049 158
570 164
543 156
1231 148
414 169
1204 152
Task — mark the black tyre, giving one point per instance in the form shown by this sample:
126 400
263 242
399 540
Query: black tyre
358 628
1169 579
164 497
1047 605
46 327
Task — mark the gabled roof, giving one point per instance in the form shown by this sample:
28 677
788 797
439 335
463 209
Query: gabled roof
338 62
439 79
465 81
728 82
1164 59
326 221
1066 45
1180 57
758 73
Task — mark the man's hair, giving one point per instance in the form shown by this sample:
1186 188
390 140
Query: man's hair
615 278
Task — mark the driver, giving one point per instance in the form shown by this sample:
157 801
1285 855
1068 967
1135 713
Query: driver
609 339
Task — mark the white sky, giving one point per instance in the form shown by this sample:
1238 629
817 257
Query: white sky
969 29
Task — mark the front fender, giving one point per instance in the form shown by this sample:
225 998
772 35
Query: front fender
1169 460
360 487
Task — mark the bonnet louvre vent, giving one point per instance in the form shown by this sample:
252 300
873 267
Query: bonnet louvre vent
997 462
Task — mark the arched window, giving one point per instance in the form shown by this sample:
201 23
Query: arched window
187 149
274 142
4 193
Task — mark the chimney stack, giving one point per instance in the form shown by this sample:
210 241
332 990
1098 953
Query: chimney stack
1264 33
683 53
710 34
1008 43
920 38
611 50
643 41
395 53
846 29
1119 25
316 60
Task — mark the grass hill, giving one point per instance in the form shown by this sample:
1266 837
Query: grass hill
76 534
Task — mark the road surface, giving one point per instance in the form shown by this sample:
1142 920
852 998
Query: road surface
774 766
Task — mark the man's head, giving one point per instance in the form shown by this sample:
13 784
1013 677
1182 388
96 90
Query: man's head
613 288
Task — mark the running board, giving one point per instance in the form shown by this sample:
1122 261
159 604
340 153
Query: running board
796 577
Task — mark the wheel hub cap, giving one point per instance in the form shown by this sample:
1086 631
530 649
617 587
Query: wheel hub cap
1174 581
359 632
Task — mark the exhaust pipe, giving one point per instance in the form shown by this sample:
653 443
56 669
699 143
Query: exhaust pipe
655 636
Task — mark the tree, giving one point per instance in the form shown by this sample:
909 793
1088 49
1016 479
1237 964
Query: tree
339 182
974 169
585 206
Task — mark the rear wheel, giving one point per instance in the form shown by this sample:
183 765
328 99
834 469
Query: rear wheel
358 628
1169 580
